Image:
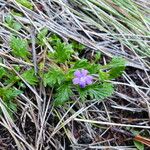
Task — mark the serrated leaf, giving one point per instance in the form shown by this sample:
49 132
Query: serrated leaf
97 56
41 36
54 39
25 3
9 94
103 75
62 52
83 63
19 47
117 66
138 145
96 91
63 94
10 21
2 72
30 77
77 46
54 76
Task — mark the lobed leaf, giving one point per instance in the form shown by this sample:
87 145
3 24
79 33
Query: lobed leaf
41 36
83 63
117 66
96 91
63 52
63 94
19 47
30 77
55 76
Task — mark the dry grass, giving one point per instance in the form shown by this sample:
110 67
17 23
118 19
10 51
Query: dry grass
81 125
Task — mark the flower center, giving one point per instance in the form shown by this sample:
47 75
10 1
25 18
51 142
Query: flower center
82 79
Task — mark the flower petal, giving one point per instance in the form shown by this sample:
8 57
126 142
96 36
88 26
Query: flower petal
76 81
84 72
77 74
82 84
89 79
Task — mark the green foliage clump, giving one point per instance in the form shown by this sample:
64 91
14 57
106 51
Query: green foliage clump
10 22
60 78
30 77
8 95
41 36
58 72
117 66
26 4
96 91
63 94
63 52
19 47
54 76
77 46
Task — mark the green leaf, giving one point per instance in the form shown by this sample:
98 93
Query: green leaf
9 20
83 63
16 26
77 46
62 52
103 75
25 3
117 66
41 36
15 13
97 56
2 72
138 145
96 91
19 47
63 94
12 106
9 94
30 77
54 39
55 76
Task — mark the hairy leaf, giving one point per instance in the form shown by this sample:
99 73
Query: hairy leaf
9 94
117 66
55 76
30 77
2 72
63 52
103 75
54 39
96 91
41 36
77 46
83 63
62 95
16 26
19 47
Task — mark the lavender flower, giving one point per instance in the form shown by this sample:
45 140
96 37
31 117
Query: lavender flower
82 78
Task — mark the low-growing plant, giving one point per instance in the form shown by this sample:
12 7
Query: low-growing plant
12 23
69 75
25 3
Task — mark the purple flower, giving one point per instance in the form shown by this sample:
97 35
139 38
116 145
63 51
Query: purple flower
82 78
